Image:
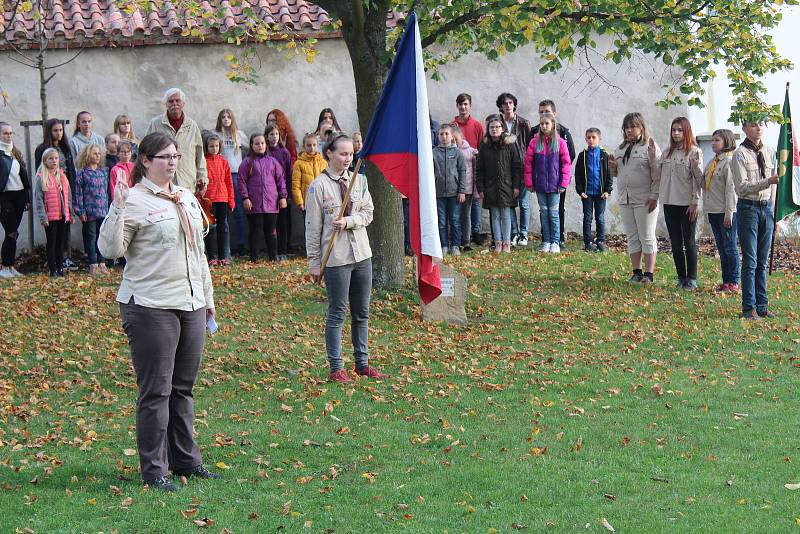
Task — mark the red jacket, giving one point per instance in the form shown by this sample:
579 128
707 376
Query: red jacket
220 182
472 130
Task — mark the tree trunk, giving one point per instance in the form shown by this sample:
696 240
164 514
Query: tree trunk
41 67
364 33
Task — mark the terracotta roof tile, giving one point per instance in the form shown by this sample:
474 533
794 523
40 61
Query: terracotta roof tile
79 21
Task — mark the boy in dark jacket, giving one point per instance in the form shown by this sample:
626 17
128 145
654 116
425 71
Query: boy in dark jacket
450 173
593 183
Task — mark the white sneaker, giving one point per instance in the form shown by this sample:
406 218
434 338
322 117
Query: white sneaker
544 247
554 248
14 272
514 241
444 251
522 241
455 251
5 272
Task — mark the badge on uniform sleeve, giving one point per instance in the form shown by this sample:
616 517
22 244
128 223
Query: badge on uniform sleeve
740 158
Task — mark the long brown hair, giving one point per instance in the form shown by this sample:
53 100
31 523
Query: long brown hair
131 135
234 129
151 145
688 136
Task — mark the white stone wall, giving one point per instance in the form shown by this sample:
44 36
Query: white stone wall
128 80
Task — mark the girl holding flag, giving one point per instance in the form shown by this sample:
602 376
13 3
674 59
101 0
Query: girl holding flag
343 260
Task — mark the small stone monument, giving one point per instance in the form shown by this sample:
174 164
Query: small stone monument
449 307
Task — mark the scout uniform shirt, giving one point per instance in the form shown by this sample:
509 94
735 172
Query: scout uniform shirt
161 270
747 177
323 202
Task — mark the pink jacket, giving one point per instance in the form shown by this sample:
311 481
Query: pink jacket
546 171
52 203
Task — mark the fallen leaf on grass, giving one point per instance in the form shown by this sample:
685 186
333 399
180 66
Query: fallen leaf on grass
606 525
127 501
222 465
92 501
610 496
657 389
129 452
792 487
189 513
205 522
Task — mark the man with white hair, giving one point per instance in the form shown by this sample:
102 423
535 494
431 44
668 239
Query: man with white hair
192 165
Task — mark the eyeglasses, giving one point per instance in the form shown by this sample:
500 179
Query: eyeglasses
168 157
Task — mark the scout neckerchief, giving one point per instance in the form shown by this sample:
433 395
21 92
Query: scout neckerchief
714 168
183 215
762 163
342 190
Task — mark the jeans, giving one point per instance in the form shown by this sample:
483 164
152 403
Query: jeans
466 222
475 215
521 229
726 246
755 225
351 282
406 227
239 221
449 212
561 217
263 223
56 232
501 224
91 231
548 215
12 206
166 347
682 237
595 206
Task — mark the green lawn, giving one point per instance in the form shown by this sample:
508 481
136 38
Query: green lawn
571 397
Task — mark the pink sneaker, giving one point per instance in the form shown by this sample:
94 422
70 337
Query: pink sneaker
213 263
507 246
734 288
722 287
226 262
370 372
340 376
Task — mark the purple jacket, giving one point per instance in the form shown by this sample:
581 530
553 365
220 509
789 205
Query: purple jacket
261 179
546 171
284 158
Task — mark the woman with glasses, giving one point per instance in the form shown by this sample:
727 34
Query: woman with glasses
165 300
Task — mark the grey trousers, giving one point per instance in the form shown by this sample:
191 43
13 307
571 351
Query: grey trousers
353 282
166 346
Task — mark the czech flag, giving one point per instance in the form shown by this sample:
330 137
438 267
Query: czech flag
399 144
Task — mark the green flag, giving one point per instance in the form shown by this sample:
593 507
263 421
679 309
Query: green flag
788 200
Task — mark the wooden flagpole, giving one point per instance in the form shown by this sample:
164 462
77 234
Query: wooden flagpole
345 200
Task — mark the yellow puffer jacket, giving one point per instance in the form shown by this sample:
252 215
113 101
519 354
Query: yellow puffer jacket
306 169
